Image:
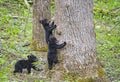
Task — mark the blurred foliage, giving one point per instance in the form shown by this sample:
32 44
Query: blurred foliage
52 7
16 30
107 28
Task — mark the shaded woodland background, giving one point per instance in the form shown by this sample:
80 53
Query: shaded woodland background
16 32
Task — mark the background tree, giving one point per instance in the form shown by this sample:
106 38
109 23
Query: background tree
41 9
75 26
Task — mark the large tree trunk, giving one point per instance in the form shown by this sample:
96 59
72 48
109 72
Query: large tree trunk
75 25
41 9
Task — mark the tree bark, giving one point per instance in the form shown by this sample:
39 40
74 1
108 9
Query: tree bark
74 19
41 9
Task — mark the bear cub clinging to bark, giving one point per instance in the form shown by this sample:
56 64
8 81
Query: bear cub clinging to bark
51 41
52 50
48 28
22 64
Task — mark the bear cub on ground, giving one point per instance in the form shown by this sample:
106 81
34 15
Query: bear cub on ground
52 51
22 64
48 28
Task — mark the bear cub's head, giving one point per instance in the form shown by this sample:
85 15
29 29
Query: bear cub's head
52 39
32 58
45 22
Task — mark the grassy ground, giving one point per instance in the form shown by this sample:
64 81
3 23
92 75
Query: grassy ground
16 31
107 25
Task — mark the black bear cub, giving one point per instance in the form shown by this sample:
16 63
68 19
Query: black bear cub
22 64
52 51
48 28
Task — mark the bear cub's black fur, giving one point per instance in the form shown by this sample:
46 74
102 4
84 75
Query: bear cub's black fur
22 64
48 28
52 51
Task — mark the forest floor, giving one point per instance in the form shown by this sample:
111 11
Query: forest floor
45 75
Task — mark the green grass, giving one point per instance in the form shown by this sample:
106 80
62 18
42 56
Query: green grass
107 27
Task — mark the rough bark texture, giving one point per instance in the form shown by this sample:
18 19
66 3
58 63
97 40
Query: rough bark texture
41 9
75 26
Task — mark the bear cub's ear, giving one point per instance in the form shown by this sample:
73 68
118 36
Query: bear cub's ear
65 43
28 56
